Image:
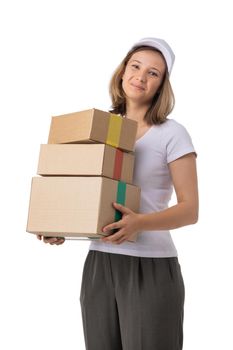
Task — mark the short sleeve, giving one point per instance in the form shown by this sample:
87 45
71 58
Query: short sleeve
178 141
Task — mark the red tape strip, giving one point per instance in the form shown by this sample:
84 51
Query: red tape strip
118 164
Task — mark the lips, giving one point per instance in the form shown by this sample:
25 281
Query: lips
138 86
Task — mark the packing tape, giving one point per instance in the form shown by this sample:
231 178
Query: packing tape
114 130
118 164
121 192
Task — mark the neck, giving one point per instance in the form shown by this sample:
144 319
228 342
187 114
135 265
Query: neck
136 112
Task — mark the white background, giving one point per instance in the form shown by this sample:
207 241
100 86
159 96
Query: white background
57 57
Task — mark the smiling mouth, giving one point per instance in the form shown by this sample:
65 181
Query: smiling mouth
138 87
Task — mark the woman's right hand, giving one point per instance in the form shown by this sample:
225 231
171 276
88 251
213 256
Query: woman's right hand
51 240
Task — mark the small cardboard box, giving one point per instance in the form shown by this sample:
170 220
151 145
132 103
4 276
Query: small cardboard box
91 126
77 206
83 159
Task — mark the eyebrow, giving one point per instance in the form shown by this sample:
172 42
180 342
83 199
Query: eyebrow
150 67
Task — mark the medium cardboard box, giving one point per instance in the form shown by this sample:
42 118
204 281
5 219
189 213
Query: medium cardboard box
91 126
77 206
83 159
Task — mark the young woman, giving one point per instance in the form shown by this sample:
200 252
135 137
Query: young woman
132 294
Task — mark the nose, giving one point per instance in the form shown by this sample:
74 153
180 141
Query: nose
141 76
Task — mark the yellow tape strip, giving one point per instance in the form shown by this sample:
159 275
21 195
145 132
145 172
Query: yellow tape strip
114 130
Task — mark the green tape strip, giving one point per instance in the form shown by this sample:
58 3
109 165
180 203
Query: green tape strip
121 192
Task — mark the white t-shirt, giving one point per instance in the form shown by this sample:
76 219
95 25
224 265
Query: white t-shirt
160 145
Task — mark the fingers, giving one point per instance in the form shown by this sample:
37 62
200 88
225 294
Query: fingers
59 240
118 224
121 208
116 238
52 240
113 226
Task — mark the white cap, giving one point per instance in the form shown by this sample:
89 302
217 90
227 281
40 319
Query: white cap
160 45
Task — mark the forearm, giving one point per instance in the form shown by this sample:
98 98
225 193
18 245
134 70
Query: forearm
176 216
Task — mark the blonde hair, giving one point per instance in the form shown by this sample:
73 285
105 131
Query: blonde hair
162 103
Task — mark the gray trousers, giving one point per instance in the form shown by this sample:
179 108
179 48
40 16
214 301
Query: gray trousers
132 303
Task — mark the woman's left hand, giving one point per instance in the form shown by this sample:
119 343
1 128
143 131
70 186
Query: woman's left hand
127 227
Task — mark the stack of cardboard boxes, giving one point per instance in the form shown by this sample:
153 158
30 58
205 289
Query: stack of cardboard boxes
86 166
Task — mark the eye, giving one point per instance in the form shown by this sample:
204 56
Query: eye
153 73
135 66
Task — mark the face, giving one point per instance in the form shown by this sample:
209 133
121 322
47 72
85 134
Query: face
143 75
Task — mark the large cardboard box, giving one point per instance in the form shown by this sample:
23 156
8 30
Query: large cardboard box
77 206
91 126
81 159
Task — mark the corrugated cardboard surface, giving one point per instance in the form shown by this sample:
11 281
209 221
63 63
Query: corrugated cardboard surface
83 159
75 206
128 134
91 126
72 127
127 167
72 159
